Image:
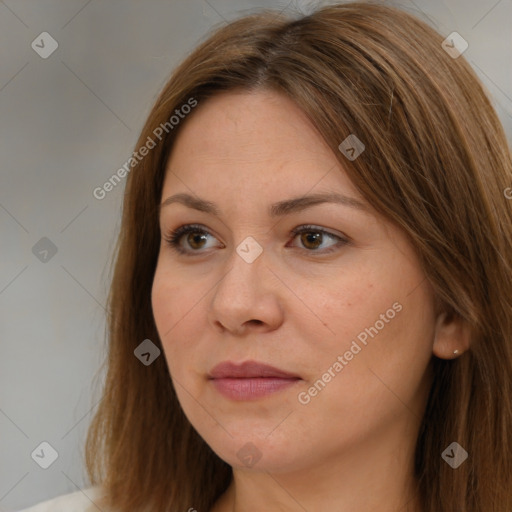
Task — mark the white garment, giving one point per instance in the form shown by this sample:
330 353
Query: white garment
78 501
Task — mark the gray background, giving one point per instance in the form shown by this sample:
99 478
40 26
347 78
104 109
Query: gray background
67 123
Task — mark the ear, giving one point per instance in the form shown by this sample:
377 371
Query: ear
451 333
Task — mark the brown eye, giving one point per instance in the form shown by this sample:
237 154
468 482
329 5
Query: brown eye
196 239
312 238
189 239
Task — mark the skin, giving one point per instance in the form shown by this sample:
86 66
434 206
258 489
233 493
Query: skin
297 308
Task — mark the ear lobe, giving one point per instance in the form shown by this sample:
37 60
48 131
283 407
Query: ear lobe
451 333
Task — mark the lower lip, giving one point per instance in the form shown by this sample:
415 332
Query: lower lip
251 388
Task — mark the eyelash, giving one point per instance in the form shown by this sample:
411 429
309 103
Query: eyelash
173 238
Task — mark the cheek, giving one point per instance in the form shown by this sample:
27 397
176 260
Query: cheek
164 307
167 312
383 361
382 309
174 304
349 303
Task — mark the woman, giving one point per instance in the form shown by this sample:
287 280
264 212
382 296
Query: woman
311 305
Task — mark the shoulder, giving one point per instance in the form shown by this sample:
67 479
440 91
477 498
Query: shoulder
79 501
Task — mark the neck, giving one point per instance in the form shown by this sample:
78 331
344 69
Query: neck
375 474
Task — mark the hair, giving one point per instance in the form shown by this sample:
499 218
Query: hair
436 164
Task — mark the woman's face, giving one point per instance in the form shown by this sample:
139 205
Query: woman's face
340 307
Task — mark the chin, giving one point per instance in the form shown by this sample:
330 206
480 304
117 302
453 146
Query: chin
272 453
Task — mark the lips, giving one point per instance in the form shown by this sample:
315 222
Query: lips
248 370
250 380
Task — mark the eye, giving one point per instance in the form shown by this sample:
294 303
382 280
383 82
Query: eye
196 238
191 238
312 238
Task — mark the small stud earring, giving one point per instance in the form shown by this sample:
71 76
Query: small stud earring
455 351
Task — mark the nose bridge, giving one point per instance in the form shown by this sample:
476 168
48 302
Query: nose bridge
243 293
246 267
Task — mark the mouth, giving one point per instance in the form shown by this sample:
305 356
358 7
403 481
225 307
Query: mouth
250 380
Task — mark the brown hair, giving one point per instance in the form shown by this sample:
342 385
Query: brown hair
436 163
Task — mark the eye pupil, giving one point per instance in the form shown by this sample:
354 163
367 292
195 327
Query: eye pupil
311 237
196 237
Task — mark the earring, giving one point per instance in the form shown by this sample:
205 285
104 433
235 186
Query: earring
456 351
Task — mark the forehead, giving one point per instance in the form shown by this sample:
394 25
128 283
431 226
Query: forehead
252 141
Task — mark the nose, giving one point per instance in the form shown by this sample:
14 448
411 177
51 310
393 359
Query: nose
247 298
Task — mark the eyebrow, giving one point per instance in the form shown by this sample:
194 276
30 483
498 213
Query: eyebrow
278 209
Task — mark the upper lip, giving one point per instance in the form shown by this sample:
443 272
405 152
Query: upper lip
247 370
